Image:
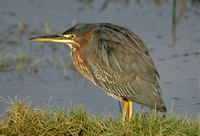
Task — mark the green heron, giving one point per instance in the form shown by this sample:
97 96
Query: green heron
116 60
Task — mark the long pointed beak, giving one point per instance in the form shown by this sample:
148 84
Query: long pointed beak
53 38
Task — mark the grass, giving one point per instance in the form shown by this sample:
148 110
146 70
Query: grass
26 118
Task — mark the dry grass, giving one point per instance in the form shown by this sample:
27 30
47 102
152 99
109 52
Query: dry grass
31 119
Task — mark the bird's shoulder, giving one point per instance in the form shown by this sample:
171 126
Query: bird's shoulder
121 35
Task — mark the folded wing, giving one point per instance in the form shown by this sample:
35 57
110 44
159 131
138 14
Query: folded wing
120 64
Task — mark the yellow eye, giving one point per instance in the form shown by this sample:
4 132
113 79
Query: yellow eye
73 36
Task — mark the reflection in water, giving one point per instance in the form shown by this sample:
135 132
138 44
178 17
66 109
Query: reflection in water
180 9
175 20
106 3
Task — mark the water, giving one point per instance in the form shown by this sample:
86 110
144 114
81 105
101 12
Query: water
178 65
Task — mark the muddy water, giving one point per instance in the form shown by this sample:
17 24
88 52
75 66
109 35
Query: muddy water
178 65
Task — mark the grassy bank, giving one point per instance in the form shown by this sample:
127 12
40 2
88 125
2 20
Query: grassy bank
26 118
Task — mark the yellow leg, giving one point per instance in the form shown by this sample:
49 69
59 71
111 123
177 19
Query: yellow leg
124 110
130 108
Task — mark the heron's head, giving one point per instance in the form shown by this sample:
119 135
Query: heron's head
71 37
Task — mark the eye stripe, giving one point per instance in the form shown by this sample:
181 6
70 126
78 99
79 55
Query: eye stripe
67 35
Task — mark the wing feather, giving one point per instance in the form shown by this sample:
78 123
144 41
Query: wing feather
121 65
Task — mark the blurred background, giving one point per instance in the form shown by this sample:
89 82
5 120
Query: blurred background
45 70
